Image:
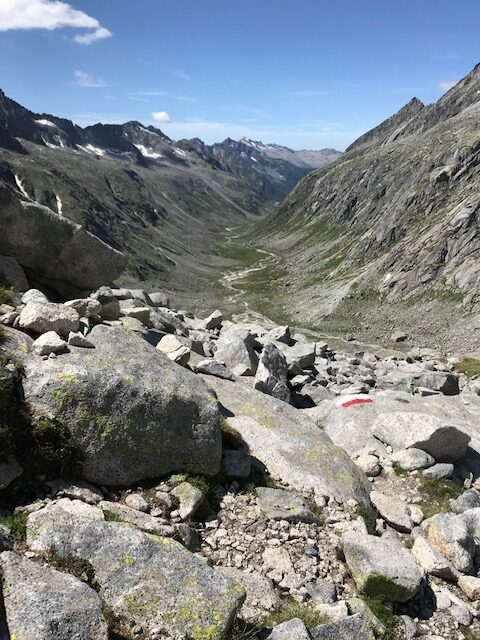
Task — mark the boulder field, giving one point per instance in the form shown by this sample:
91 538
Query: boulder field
164 476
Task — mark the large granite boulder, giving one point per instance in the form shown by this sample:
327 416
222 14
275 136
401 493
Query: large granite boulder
44 604
290 446
144 579
134 413
271 376
381 566
54 251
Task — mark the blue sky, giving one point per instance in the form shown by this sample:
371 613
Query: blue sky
304 73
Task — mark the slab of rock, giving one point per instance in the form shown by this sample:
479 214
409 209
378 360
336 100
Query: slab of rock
234 349
300 356
412 459
44 604
469 499
55 249
189 499
135 518
77 490
293 629
79 340
137 501
135 414
444 441
450 535
145 580
381 566
432 561
214 320
12 275
159 299
470 585
85 307
261 597
277 504
279 334
176 351
440 471
354 627
48 343
271 376
292 448
42 317
393 510
213 368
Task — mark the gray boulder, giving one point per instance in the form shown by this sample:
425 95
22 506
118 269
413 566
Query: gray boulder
145 580
393 510
277 504
214 320
432 561
261 597
135 518
298 357
109 306
214 368
412 459
354 627
440 471
469 499
135 414
442 439
85 307
54 250
234 350
48 343
289 445
189 499
381 566
44 604
293 629
450 535
42 317
279 334
159 299
271 376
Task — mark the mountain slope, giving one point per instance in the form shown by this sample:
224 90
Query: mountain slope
161 203
396 219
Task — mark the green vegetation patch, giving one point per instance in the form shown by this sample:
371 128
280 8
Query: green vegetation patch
469 366
6 296
17 523
437 495
289 609
383 610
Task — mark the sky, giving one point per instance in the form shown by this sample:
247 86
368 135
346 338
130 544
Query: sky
307 74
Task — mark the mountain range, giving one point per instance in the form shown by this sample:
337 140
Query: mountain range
156 200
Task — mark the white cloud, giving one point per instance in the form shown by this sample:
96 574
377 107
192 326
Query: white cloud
50 14
84 79
445 85
161 116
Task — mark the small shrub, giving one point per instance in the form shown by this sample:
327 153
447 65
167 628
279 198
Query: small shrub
289 609
469 366
5 296
245 631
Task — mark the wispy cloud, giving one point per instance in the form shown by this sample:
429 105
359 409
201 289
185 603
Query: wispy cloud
183 75
161 116
50 15
446 56
84 79
307 93
143 96
445 85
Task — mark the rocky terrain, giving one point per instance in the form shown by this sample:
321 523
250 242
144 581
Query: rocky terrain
166 476
389 233
163 204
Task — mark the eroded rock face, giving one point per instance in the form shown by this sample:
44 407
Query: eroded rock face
55 251
44 604
135 414
146 580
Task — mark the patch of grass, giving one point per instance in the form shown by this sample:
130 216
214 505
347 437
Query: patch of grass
17 523
289 609
6 296
245 631
383 610
369 519
399 471
469 366
111 517
437 494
